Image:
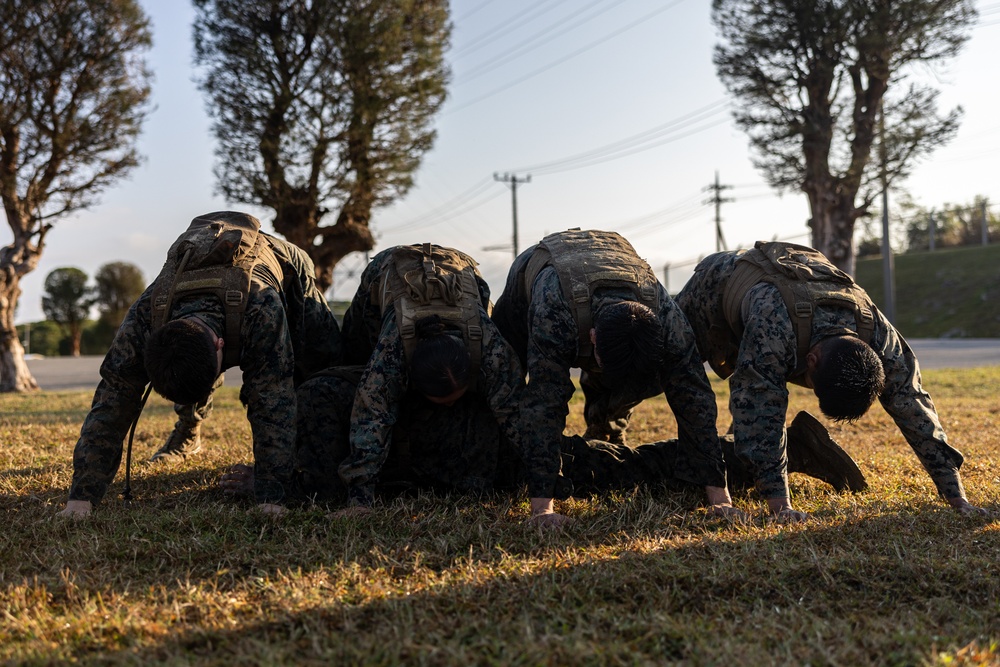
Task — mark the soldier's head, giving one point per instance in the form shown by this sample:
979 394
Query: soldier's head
183 358
846 375
440 367
628 340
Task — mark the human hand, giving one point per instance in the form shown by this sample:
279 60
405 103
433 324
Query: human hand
238 480
543 514
727 511
272 510
966 508
76 509
721 505
352 512
781 511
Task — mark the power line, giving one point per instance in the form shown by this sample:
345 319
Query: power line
716 188
474 10
445 209
512 23
541 38
512 180
652 138
560 61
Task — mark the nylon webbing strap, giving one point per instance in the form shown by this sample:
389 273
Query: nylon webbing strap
127 492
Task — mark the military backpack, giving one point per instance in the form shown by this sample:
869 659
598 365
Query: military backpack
216 256
586 261
806 279
422 280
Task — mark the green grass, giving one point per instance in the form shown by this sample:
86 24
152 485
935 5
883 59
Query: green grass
953 292
188 576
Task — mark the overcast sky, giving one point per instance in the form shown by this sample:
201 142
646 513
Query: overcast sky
612 106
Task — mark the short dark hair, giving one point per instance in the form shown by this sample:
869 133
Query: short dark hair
629 340
847 378
440 364
181 361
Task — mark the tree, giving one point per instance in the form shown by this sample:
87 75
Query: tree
117 286
812 77
321 107
954 225
73 95
67 301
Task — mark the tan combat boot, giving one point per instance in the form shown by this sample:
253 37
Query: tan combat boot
184 441
811 451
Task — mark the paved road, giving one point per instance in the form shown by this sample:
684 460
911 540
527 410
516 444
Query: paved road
64 373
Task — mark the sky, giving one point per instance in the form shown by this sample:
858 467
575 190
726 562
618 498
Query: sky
612 107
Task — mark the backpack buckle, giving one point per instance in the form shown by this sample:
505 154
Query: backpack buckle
803 309
475 332
234 297
407 330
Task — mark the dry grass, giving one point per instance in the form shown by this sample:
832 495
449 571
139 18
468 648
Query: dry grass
186 576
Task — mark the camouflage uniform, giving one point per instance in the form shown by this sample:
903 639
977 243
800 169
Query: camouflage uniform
766 361
545 334
461 448
372 338
287 333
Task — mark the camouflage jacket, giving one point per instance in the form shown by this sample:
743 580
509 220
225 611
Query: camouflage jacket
384 384
550 352
767 359
286 333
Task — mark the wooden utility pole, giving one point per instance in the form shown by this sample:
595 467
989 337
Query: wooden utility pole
512 181
717 199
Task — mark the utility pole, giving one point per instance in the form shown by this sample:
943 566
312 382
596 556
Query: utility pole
511 180
986 225
931 231
888 263
718 200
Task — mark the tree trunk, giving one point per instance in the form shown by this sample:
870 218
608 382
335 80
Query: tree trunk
832 225
14 373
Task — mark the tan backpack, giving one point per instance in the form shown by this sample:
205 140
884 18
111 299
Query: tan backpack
216 255
426 279
586 261
806 279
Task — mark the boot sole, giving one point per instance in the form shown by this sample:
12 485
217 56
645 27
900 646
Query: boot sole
816 447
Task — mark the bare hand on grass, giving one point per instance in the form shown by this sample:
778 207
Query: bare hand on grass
968 509
351 512
781 511
544 515
238 480
76 509
727 511
272 510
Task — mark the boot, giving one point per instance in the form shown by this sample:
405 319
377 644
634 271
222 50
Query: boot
184 441
813 452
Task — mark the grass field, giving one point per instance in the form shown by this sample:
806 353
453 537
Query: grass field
187 576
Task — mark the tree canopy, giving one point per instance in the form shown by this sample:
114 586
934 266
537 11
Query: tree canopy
117 285
67 301
812 77
321 107
74 92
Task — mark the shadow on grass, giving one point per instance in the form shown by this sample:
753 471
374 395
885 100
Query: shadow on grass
889 589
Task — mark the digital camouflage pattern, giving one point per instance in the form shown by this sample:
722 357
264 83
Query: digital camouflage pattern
455 447
288 332
545 335
372 338
460 448
766 361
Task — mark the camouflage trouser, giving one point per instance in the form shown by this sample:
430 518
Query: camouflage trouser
597 467
460 448
190 416
607 411
457 447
